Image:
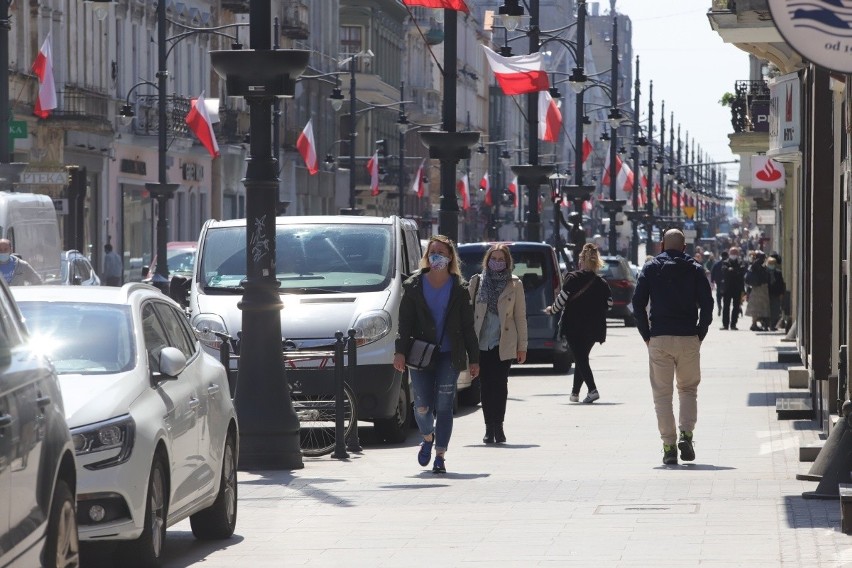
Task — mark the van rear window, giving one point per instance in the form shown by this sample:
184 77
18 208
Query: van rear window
310 259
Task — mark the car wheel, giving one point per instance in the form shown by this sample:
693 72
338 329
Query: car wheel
147 550
61 548
218 521
472 395
394 430
562 362
630 321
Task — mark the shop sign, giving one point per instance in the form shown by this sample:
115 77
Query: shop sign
766 173
44 178
136 167
818 31
785 125
17 129
766 216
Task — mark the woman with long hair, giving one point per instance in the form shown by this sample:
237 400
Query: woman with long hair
500 321
585 299
435 307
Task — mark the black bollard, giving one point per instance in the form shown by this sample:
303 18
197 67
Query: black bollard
353 443
339 441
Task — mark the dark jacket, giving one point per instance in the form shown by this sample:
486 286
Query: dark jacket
415 321
776 282
757 274
734 272
717 275
585 316
680 296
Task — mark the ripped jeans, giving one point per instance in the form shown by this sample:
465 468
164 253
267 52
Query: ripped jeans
434 390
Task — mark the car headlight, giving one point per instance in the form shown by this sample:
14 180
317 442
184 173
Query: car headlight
371 326
108 435
206 326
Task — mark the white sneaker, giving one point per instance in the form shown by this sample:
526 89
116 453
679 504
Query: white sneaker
592 396
574 397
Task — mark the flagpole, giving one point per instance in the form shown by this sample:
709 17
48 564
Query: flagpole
637 172
613 143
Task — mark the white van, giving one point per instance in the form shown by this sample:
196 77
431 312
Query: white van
336 273
29 221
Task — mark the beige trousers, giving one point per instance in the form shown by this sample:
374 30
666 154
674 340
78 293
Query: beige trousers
670 357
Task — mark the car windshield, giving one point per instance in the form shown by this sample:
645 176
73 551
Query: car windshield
181 261
614 270
80 338
310 259
531 267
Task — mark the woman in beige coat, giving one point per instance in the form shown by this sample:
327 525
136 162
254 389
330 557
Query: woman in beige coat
500 321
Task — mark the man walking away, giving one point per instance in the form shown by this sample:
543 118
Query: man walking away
733 273
681 313
717 278
113 267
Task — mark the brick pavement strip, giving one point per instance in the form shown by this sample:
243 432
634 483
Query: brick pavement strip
576 485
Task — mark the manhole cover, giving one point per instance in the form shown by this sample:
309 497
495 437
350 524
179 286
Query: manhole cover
648 509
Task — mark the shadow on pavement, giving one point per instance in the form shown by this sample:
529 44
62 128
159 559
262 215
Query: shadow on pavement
532 371
773 366
811 513
452 475
689 466
183 549
506 446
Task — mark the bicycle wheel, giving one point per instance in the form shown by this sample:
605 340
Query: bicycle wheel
317 420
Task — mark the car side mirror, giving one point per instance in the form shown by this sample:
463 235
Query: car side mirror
172 363
145 271
76 281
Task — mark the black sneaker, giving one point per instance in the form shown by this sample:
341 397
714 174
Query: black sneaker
669 454
438 465
687 451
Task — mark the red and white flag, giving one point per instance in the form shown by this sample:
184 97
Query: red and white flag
308 148
587 148
373 168
463 189
457 5
623 177
418 185
657 192
587 205
484 184
520 74
549 117
198 120
513 189
43 68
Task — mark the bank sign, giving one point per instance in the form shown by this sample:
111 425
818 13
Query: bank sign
820 30
785 125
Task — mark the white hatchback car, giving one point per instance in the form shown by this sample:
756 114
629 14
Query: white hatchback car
151 418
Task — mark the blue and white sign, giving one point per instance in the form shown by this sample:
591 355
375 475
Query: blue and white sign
820 30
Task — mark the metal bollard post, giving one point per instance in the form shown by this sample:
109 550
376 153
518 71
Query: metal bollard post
353 443
339 442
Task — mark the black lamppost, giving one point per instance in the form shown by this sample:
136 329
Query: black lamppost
402 124
269 428
612 205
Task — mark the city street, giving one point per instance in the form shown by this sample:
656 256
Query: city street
576 485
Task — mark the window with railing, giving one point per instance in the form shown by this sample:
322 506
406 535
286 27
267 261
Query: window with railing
83 103
147 115
750 106
351 44
294 19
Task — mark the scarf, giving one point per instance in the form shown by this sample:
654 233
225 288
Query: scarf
491 285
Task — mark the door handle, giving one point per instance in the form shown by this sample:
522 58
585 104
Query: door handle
43 401
193 404
5 420
213 390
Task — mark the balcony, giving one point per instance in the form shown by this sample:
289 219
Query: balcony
750 106
85 105
233 126
147 116
236 6
294 19
748 25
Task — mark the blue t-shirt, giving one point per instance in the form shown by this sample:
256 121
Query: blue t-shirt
7 269
438 299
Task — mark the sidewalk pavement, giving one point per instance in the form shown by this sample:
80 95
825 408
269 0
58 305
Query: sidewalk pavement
575 486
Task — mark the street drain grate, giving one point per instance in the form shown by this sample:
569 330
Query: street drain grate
648 509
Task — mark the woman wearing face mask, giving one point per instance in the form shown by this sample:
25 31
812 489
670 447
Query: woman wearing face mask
435 307
500 321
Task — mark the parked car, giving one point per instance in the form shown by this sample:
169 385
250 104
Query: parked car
336 273
30 222
76 270
153 425
180 260
38 526
622 283
538 269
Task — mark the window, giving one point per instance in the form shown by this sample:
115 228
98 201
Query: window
350 43
179 337
155 336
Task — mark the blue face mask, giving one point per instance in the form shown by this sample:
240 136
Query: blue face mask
438 261
5 256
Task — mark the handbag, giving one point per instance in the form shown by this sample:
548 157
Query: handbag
421 352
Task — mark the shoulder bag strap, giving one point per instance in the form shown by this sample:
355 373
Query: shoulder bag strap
583 289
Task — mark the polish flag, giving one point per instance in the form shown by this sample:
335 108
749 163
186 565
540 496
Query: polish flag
418 185
485 185
675 200
520 74
587 205
307 148
463 189
198 120
624 175
549 117
373 168
457 5
657 192
43 68
587 148
513 189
